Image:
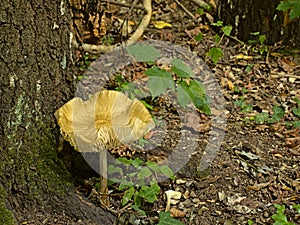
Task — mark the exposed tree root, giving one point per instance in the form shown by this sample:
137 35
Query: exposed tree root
97 49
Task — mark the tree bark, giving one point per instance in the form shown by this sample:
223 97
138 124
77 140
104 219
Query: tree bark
36 79
248 16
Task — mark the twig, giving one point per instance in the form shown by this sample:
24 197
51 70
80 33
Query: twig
124 4
115 212
186 10
132 6
286 75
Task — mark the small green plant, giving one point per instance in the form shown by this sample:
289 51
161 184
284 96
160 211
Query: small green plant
258 43
216 52
180 78
249 67
296 112
131 89
250 222
140 184
107 40
297 208
277 115
279 217
293 6
86 61
243 105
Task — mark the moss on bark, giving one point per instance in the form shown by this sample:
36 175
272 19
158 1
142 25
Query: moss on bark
35 167
6 216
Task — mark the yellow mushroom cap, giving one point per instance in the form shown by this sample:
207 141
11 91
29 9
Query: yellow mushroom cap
107 119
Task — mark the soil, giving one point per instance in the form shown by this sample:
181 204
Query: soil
257 164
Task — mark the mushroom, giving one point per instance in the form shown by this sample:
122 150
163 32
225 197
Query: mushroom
106 120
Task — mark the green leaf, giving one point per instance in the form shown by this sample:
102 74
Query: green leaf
239 103
217 38
166 219
138 92
215 54
114 169
128 194
284 6
144 173
295 11
297 208
202 104
296 124
167 171
263 49
124 161
262 38
292 5
200 11
197 88
278 114
142 142
261 117
198 97
252 42
279 217
181 69
153 166
159 81
280 208
150 193
199 37
250 222
218 23
137 199
297 100
125 184
296 111
183 94
137 162
244 90
247 108
227 30
140 211
143 52
249 67
146 105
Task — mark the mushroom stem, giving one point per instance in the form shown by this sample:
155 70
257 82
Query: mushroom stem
103 189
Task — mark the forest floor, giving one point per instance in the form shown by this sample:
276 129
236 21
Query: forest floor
258 164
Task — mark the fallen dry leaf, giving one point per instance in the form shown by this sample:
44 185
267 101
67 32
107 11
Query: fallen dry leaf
161 24
176 213
257 187
170 196
244 57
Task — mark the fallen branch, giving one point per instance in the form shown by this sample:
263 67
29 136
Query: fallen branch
97 49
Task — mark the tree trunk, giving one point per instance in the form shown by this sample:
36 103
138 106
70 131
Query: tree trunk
248 16
36 79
